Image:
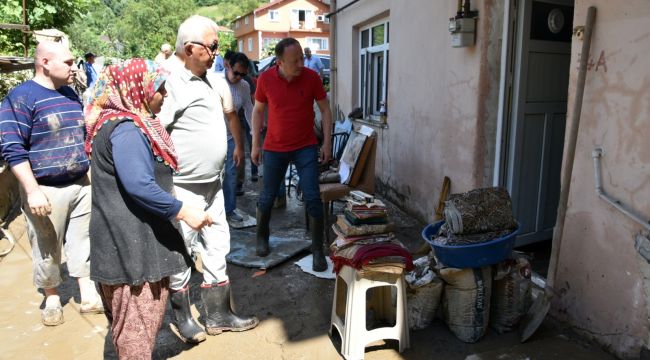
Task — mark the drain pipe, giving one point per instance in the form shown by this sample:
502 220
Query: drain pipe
596 155
333 65
571 140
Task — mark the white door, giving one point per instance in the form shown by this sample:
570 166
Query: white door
535 137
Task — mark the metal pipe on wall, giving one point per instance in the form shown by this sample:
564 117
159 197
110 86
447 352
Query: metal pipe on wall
596 155
333 64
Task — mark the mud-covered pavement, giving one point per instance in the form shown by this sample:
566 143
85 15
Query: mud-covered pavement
293 307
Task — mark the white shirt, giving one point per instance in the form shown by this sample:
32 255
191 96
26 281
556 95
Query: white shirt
193 114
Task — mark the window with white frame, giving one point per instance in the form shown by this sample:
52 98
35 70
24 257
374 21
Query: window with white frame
318 43
237 24
303 19
250 44
373 68
246 20
241 46
274 15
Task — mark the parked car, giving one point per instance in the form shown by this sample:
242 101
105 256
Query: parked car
266 63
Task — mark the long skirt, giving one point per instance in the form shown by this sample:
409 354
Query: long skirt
135 314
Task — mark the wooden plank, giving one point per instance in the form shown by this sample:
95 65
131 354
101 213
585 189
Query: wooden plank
14 27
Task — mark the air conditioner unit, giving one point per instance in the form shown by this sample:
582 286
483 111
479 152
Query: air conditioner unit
320 18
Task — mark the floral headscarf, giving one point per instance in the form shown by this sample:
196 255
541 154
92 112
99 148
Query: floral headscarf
124 91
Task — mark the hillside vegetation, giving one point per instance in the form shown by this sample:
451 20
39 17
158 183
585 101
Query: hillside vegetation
225 11
116 28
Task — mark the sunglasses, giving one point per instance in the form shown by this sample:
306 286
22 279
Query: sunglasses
237 73
211 49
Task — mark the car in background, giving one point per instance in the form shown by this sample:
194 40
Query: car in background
266 63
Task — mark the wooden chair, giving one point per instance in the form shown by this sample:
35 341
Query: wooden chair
333 191
339 140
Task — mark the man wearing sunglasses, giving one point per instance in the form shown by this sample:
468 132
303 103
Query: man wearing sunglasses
236 69
194 116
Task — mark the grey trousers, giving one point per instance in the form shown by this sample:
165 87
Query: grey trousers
66 227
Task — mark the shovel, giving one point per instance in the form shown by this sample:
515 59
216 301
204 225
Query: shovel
542 304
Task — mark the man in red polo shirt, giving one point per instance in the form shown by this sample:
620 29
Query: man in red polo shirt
289 90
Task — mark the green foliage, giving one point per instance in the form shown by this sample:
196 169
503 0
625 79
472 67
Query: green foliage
129 28
213 12
95 32
225 12
117 28
269 49
116 6
9 81
227 42
41 14
147 24
207 2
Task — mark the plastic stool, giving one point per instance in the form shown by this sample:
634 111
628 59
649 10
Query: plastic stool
352 327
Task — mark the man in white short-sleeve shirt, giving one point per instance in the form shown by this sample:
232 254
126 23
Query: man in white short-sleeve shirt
193 113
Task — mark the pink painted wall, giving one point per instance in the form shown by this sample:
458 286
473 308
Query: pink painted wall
603 292
442 101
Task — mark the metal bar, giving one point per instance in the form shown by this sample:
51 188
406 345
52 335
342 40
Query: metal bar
596 155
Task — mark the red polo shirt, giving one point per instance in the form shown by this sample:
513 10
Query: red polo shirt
291 108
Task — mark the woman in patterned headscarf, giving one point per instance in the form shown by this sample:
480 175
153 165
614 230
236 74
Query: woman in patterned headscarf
135 242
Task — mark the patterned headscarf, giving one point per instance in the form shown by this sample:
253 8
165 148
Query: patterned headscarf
124 91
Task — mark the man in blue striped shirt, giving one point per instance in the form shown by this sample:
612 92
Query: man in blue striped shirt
42 138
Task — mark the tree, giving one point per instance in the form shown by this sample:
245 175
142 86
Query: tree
227 42
269 49
41 14
95 32
147 24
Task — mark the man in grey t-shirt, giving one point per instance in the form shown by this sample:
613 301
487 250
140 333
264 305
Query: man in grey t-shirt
194 115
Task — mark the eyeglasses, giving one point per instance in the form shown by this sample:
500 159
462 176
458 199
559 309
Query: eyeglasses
211 49
237 73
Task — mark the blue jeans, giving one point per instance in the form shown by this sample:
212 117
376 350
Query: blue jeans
249 139
275 168
230 180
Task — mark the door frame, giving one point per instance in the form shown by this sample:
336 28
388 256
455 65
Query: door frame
513 50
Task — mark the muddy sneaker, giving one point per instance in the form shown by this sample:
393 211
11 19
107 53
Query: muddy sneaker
52 315
92 307
234 217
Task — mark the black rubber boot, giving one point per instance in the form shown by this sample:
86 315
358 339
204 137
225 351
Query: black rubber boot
263 233
219 315
184 325
316 226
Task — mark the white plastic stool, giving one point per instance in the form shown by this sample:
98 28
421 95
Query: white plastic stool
352 328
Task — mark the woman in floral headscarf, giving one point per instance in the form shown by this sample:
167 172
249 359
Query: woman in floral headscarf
135 242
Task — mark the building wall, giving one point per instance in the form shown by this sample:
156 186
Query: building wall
241 28
262 20
253 53
442 105
602 290
442 101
